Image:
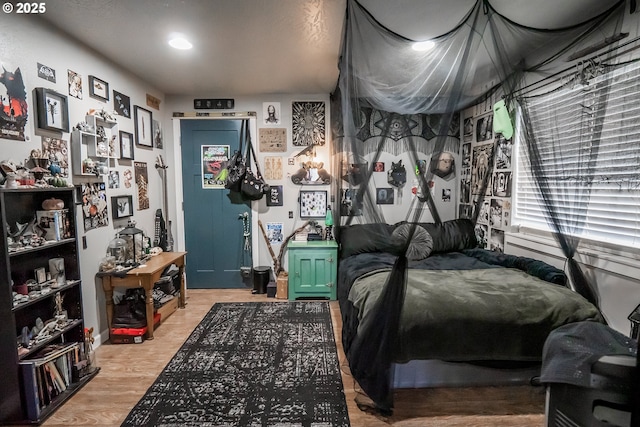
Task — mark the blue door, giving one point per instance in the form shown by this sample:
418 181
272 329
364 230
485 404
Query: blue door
213 217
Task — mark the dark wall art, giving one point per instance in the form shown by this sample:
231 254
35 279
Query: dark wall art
308 123
53 113
122 104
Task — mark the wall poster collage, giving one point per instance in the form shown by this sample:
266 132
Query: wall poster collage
486 174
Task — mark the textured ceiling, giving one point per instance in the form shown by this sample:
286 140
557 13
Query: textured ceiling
259 47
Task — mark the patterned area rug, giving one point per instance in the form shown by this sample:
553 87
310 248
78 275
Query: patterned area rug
251 364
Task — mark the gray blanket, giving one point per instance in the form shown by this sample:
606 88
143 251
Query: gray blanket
474 315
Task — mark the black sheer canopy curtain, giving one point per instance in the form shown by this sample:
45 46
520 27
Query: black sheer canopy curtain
576 105
379 71
565 186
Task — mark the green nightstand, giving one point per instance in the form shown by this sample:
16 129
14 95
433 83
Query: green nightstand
313 269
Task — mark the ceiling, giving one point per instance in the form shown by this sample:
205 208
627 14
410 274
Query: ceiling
261 47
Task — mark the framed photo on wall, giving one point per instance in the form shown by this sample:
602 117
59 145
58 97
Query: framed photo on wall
53 113
122 104
121 206
98 88
143 123
126 145
274 197
313 204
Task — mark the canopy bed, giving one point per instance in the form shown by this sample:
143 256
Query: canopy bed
421 289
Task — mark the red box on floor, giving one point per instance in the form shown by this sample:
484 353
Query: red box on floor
131 335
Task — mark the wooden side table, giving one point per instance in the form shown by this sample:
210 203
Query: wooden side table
145 276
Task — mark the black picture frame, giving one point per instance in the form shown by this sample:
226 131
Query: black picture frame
98 88
275 196
144 126
126 145
121 206
122 104
52 109
313 204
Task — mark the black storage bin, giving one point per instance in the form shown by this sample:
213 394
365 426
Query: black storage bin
169 281
606 403
261 278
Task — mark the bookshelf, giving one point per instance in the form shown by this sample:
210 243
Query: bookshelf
41 313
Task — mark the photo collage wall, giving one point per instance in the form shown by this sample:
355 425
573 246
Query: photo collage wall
486 169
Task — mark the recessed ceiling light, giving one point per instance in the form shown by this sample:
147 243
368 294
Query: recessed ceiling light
423 46
180 43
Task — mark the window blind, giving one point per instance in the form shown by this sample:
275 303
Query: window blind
592 165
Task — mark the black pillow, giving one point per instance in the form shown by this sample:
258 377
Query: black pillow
362 238
420 245
450 236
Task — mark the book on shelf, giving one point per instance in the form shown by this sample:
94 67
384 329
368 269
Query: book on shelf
46 375
55 223
57 377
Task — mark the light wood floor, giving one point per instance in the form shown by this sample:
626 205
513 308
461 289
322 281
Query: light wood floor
128 370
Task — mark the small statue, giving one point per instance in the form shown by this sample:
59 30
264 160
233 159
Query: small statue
60 312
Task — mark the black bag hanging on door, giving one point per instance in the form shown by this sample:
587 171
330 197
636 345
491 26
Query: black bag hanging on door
253 184
237 166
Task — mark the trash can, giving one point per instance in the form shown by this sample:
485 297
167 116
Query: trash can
261 278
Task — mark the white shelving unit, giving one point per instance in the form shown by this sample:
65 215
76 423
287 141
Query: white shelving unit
100 145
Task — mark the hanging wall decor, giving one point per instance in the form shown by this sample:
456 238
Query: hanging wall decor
121 206
114 179
143 123
75 84
94 205
157 134
482 159
271 113
215 159
13 106
121 104
126 145
274 197
272 139
484 128
467 133
313 204
443 165
98 88
53 113
142 182
274 233
128 177
46 73
273 167
308 123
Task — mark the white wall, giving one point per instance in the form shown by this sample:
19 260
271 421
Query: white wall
26 41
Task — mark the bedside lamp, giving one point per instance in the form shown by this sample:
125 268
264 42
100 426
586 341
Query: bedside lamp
328 222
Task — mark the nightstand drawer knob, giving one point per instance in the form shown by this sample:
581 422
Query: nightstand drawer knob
330 259
330 285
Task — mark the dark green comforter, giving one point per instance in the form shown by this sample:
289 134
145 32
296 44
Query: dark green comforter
470 305
476 314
